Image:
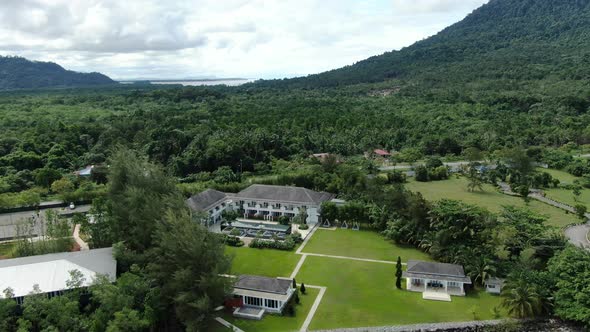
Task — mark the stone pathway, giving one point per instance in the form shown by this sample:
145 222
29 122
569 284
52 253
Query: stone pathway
83 245
313 230
350 258
228 324
314 307
420 327
298 266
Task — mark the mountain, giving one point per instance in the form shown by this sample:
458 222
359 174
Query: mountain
502 40
20 73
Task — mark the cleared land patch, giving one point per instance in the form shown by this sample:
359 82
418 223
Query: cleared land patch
490 198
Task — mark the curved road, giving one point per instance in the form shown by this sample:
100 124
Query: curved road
578 235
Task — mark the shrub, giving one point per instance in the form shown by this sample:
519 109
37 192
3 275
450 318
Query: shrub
304 227
396 177
581 210
438 173
232 241
283 220
421 174
295 237
287 244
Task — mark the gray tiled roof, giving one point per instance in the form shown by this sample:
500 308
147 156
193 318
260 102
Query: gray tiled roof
263 284
442 271
205 200
100 261
283 194
494 281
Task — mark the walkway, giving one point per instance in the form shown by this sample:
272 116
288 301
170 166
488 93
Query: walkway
351 258
314 307
83 245
228 324
421 327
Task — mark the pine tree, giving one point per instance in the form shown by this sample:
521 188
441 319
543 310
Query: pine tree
294 284
302 288
398 273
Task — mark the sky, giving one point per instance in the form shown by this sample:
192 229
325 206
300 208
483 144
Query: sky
127 39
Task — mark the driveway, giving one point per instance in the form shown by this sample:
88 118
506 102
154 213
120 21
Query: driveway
578 235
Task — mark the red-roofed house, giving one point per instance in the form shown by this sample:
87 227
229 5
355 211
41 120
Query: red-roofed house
381 153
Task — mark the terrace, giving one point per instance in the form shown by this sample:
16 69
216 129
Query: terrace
258 229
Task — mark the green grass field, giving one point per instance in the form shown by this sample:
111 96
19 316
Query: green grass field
563 177
490 198
358 293
361 244
363 294
567 197
271 323
266 262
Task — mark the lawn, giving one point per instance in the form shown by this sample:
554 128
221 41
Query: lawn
361 244
567 197
363 294
272 323
7 249
266 262
490 198
563 177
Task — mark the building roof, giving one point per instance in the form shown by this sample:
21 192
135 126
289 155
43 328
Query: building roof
205 200
439 271
494 281
283 194
51 272
86 171
320 155
381 152
263 284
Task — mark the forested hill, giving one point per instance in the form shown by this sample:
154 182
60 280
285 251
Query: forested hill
20 73
504 39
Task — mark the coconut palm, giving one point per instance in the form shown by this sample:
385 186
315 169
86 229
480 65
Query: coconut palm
521 300
480 268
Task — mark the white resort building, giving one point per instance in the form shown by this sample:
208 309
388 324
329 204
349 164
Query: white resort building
436 281
262 202
48 274
258 295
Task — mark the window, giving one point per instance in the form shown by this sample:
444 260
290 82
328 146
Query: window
254 301
271 303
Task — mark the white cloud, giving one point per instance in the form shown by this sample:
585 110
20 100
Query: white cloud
191 38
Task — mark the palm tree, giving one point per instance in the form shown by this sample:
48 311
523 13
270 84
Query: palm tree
521 300
480 268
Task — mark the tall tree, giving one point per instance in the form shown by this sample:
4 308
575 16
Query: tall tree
398 273
138 196
571 269
187 263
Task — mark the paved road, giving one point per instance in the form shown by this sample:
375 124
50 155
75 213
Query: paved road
577 234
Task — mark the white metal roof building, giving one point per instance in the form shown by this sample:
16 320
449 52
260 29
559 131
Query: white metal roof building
51 272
